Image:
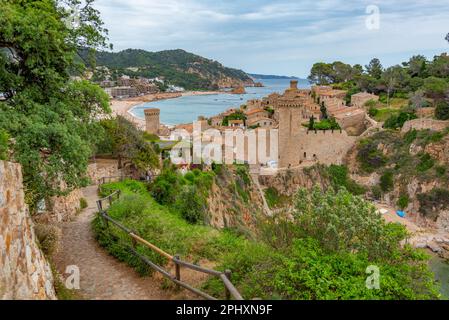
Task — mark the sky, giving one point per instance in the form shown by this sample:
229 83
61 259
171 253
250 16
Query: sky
282 37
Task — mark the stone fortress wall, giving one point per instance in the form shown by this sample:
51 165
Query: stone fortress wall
423 124
24 272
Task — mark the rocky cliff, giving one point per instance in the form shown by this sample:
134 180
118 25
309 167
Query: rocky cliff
24 272
234 201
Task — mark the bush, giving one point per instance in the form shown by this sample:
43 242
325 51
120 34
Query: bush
4 139
191 205
370 157
376 191
397 121
440 170
387 181
410 136
48 237
403 201
442 111
373 111
433 202
83 204
339 176
426 162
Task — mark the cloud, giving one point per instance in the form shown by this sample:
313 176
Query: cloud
283 37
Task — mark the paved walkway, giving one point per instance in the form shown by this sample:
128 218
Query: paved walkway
102 277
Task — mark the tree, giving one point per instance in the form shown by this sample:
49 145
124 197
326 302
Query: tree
417 66
436 88
442 110
323 110
50 118
311 123
321 74
394 78
124 141
417 99
374 68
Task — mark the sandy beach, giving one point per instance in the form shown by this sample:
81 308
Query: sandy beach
123 107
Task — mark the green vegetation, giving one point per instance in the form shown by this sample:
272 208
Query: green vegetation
442 111
161 226
420 80
4 144
339 177
290 259
397 121
426 162
275 199
83 203
238 115
49 117
433 202
185 194
387 181
369 157
403 201
177 67
326 124
301 259
128 144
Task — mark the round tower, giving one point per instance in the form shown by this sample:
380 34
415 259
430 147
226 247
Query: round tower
152 120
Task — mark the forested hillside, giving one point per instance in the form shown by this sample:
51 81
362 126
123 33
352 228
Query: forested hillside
178 67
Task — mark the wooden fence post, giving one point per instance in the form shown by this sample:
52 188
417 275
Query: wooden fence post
178 269
228 275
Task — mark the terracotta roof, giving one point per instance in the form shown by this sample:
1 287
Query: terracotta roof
254 111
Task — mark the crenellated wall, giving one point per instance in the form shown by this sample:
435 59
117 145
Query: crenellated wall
24 272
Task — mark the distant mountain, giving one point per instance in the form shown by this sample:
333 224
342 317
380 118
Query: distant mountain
177 67
267 76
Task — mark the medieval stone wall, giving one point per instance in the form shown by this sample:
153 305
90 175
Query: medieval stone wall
24 272
423 124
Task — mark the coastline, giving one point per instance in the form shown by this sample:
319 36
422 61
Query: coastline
124 107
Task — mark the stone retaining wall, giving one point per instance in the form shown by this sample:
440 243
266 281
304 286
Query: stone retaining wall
24 272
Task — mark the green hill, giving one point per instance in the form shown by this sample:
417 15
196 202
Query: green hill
177 67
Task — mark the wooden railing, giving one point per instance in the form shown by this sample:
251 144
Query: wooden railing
225 277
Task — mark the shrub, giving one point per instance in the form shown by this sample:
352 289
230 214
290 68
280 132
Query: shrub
272 196
376 191
426 162
4 138
373 111
387 181
397 121
403 201
433 202
83 204
410 136
48 237
370 157
191 205
440 170
442 111
339 176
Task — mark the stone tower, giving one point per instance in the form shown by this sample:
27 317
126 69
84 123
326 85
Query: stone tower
152 120
289 129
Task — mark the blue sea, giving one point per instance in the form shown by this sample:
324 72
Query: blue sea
187 109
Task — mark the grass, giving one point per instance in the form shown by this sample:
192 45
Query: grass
275 199
162 227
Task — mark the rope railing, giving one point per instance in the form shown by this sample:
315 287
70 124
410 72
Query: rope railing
225 277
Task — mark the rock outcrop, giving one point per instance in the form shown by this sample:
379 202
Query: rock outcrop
24 272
